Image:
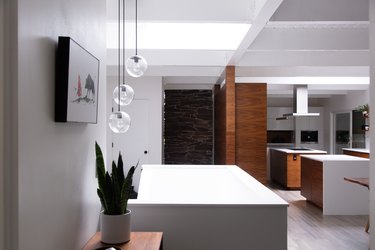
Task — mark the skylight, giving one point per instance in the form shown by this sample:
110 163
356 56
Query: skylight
185 36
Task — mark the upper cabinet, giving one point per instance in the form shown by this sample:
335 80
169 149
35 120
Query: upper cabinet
314 123
296 123
273 124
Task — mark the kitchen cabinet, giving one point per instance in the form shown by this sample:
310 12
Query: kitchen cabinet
364 153
285 166
311 122
273 124
312 181
322 183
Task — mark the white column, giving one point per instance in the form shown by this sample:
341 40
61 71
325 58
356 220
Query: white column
372 121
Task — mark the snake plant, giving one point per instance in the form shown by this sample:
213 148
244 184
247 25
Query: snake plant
114 189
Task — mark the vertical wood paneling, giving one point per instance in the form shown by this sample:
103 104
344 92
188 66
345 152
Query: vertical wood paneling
251 129
230 115
224 117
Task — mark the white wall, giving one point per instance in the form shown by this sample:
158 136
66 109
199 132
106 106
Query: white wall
149 88
372 121
341 103
56 202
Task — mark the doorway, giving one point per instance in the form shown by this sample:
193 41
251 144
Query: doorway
138 132
341 131
347 131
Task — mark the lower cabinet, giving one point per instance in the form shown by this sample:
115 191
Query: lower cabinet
312 181
285 169
357 154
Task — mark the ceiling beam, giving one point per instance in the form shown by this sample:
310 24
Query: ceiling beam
260 21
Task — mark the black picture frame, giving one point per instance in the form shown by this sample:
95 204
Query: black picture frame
76 84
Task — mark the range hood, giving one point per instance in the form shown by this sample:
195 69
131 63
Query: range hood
300 104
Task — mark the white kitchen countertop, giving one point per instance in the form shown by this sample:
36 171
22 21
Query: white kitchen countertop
172 184
324 158
359 150
289 151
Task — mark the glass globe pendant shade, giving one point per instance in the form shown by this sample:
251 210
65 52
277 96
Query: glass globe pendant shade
136 66
126 94
119 122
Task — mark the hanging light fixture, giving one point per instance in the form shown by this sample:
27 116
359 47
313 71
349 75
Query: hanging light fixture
123 94
136 65
119 121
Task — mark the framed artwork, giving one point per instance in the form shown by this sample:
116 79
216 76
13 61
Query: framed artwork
77 83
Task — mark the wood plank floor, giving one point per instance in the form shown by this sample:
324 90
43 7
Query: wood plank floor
309 229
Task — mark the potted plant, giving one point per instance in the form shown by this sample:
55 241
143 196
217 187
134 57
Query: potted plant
114 191
365 109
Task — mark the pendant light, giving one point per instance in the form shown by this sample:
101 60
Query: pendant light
119 121
123 94
136 65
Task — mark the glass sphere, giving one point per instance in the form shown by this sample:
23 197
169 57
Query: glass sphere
126 95
119 122
136 66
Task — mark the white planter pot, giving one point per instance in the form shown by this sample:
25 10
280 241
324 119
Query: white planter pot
115 228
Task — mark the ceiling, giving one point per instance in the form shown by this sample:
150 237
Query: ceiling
322 43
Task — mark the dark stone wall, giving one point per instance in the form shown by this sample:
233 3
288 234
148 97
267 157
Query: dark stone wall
188 127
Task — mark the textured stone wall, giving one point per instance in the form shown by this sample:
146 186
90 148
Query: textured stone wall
188 127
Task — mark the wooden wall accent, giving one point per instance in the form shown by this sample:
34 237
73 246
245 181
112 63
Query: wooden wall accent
230 115
240 116
224 117
251 129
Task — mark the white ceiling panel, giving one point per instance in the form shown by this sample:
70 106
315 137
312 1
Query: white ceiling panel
287 38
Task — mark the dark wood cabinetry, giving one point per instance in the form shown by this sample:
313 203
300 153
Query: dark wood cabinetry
286 168
356 153
312 181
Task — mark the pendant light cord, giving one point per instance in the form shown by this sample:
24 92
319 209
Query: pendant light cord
136 27
123 42
119 52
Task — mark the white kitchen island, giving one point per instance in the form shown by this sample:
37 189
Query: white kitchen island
322 183
209 207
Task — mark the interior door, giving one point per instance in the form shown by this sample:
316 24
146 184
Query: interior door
133 144
358 134
342 131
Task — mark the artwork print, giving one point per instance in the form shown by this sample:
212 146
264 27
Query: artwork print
80 83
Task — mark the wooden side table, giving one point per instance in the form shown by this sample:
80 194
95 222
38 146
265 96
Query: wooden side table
138 241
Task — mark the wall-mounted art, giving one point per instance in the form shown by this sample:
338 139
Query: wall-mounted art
77 83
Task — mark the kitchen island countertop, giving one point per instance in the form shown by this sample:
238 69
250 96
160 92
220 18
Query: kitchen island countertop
309 151
324 158
359 150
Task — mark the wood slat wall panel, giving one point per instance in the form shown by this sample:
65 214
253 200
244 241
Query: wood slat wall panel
251 129
224 117
230 115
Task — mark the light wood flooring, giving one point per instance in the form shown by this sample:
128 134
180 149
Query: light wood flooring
309 229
